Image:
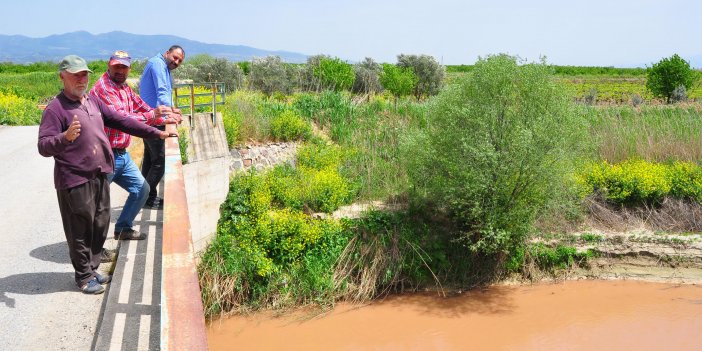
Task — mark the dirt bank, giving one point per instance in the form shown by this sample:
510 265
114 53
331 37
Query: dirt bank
638 254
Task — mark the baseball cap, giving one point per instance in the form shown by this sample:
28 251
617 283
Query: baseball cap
73 64
120 58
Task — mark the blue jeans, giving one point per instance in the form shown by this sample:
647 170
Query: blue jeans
128 177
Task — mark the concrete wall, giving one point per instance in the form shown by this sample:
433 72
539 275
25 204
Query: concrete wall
210 165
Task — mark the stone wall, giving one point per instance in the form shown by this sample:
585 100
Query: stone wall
262 156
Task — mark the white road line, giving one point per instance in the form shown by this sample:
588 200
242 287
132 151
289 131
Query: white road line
118 331
147 291
144 330
128 272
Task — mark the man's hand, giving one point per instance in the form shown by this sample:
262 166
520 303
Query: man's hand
165 135
175 118
73 131
162 110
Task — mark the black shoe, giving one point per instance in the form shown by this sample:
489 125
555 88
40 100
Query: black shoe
155 203
129 234
107 255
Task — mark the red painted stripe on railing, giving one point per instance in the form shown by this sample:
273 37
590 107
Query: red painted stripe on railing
182 315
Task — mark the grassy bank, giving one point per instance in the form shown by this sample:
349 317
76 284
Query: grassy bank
414 248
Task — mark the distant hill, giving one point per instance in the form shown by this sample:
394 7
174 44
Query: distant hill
22 49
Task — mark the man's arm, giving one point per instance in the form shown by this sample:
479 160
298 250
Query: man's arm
52 137
151 116
114 119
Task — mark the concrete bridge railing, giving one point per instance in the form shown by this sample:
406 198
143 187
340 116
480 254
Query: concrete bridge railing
182 315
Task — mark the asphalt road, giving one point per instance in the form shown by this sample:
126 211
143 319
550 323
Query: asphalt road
41 308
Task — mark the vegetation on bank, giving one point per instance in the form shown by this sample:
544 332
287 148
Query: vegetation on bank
499 155
481 167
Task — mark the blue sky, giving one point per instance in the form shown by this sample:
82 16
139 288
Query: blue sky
620 33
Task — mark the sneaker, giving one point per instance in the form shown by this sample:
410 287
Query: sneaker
103 279
154 203
129 234
92 287
107 255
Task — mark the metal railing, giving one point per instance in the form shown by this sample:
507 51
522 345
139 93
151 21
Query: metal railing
216 93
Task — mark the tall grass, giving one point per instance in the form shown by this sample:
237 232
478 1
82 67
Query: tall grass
652 133
370 131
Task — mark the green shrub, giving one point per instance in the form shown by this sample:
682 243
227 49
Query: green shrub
498 145
400 81
306 104
269 75
231 119
15 110
636 182
217 69
562 257
367 79
328 190
245 66
664 77
685 180
183 141
287 187
289 126
430 74
319 155
591 238
334 74
263 255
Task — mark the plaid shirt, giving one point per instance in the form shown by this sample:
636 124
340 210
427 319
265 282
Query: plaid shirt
121 98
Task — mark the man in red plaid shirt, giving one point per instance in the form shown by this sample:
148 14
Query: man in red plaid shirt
112 89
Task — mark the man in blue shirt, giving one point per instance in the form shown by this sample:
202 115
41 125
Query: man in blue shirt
156 89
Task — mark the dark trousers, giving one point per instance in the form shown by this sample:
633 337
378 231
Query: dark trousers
153 163
85 213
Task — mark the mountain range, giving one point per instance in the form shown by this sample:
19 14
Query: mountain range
22 49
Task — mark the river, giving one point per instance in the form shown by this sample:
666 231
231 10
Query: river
571 315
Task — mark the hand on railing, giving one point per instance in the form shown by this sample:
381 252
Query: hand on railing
163 110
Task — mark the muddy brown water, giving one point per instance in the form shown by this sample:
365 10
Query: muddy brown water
572 315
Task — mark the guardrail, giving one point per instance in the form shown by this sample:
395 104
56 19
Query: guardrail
217 94
182 314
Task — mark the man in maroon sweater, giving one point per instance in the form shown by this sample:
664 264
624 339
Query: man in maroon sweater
72 131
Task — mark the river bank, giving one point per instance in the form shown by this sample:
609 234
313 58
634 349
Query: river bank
642 255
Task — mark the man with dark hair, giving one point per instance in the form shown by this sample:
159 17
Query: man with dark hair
113 90
72 131
156 88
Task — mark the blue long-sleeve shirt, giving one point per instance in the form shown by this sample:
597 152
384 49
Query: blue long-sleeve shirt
155 86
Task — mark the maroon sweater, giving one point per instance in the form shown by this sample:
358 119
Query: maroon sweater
90 154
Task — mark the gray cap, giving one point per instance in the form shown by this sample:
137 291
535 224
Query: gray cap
73 64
